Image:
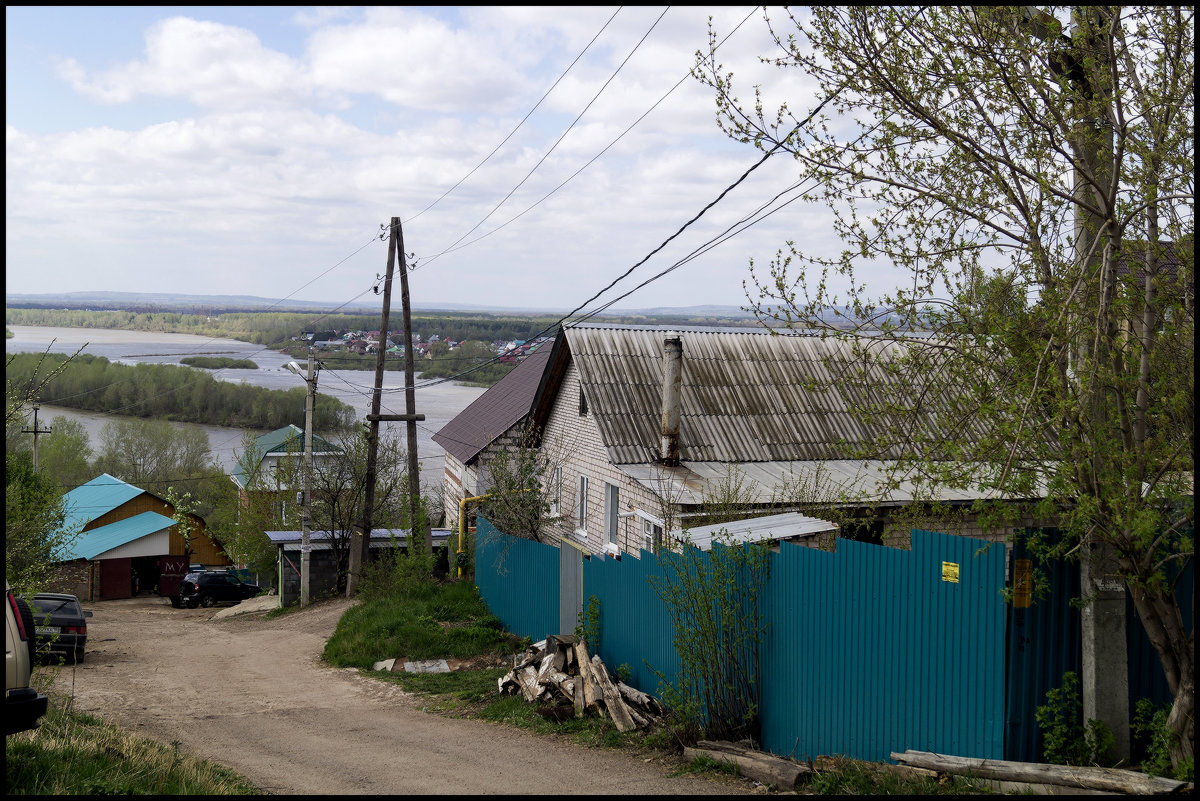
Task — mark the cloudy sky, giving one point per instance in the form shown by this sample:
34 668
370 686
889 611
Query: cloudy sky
256 151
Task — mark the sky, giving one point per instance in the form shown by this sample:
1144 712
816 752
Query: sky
258 150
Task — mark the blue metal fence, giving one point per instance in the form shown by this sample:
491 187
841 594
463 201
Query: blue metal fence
868 650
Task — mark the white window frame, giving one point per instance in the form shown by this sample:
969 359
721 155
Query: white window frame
556 491
612 514
649 523
581 505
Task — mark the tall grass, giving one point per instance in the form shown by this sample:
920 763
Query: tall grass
78 754
405 613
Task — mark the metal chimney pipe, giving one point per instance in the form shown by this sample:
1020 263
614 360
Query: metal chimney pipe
672 381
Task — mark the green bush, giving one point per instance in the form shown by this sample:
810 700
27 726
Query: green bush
1066 739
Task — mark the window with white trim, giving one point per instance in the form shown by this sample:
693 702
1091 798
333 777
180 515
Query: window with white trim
581 505
555 492
612 511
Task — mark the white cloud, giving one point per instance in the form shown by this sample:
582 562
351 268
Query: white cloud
208 63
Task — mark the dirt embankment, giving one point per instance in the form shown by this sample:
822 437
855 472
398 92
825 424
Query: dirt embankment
252 694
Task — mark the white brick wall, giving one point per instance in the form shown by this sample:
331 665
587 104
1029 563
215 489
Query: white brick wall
574 441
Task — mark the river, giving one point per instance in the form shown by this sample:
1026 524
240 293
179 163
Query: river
439 402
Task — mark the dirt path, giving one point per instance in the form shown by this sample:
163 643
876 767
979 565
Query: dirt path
252 694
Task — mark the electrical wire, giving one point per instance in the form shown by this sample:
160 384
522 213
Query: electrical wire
426 262
564 133
523 119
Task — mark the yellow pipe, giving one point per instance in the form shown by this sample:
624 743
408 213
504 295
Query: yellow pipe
462 523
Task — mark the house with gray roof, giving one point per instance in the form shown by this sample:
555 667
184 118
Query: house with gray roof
125 531
649 423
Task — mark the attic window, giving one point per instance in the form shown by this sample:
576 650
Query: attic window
582 402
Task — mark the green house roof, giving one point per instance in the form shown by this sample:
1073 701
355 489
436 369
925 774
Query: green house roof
289 439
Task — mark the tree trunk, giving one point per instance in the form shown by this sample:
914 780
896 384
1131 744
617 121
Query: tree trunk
1159 613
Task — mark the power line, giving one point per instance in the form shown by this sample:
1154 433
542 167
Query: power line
523 119
561 137
589 162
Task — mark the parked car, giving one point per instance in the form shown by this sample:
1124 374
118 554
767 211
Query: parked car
23 705
213 587
61 625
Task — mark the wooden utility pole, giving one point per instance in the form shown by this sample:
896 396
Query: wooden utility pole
35 431
361 543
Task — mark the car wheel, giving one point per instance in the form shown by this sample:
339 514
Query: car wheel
192 604
78 655
176 602
208 601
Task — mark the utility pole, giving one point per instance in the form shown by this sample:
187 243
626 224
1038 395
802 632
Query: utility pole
1082 58
306 514
35 431
361 543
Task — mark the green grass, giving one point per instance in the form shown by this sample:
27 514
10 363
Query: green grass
78 754
422 621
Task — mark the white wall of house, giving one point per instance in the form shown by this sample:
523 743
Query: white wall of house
573 440
157 544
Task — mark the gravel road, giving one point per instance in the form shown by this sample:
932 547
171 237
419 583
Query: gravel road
252 694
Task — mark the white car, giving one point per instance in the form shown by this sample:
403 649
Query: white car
23 705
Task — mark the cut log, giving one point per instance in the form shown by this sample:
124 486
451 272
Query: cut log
1107 779
783 774
640 699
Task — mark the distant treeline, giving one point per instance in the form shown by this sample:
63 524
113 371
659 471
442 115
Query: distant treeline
276 329
171 392
218 363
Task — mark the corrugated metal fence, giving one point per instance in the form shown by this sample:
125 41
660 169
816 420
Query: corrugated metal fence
868 650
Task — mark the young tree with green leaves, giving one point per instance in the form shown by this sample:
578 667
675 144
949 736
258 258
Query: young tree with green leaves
34 538
1025 181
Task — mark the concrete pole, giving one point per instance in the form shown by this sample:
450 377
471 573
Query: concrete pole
306 533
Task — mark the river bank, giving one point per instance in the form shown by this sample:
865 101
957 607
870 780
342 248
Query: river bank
439 402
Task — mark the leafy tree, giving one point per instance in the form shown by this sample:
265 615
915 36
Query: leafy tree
339 485
525 490
1026 181
34 537
152 454
241 523
64 454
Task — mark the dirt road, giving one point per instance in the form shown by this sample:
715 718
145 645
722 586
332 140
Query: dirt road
252 694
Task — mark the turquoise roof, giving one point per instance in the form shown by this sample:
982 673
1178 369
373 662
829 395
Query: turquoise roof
288 439
98 497
91 544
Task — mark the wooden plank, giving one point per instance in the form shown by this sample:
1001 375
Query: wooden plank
591 691
1107 779
612 698
780 773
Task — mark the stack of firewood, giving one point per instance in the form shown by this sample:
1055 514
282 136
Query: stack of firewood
558 673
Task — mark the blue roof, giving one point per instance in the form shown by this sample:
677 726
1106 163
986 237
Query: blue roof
91 544
98 497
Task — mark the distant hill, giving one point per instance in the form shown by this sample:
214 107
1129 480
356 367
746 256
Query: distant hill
216 304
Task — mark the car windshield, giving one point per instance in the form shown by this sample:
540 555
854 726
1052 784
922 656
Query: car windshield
51 606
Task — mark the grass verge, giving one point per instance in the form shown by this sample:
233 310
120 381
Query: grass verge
401 615
73 753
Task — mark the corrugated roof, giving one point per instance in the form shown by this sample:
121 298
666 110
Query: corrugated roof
98 497
851 480
747 395
289 439
91 544
771 527
495 411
